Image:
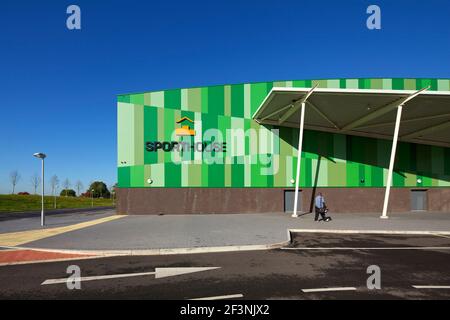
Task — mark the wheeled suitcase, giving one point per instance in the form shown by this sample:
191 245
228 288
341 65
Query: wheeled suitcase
324 215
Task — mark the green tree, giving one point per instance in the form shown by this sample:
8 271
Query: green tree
68 193
100 190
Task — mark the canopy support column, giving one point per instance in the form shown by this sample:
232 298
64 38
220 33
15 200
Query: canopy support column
299 158
391 163
394 149
300 142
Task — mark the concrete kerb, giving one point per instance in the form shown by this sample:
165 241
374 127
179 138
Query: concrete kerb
14 263
394 232
159 252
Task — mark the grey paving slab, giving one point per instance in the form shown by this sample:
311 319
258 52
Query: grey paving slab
187 231
34 223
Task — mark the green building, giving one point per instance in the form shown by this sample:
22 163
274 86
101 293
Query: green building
234 148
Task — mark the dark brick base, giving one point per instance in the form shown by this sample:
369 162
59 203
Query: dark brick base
260 200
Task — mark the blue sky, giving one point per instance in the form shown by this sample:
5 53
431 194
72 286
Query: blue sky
59 87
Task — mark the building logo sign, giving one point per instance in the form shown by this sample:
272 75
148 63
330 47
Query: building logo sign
189 141
185 130
186 145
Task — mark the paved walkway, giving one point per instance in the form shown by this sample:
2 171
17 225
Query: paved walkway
14 239
195 231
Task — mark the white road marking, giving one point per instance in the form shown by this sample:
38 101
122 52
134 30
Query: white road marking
379 248
329 289
114 276
159 273
44 261
231 296
170 272
441 235
431 287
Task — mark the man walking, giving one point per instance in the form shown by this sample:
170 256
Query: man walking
320 207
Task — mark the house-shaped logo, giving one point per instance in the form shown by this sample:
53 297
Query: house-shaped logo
185 130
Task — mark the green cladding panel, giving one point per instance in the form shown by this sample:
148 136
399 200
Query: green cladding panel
255 155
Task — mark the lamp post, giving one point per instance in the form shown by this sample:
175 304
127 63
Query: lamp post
54 194
111 194
92 198
42 156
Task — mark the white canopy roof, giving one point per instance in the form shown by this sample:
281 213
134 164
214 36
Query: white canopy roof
362 112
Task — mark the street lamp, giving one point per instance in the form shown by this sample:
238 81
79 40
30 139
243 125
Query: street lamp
42 156
92 198
54 194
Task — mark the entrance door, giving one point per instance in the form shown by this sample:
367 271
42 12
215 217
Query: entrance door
289 197
418 200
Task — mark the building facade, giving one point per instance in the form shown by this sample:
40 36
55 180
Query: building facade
199 150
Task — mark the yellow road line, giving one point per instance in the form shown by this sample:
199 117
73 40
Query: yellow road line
18 238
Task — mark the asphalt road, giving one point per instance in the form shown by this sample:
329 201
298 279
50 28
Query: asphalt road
5 216
313 261
53 221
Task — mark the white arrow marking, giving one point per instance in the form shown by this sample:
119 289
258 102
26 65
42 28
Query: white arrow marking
170 272
329 289
230 296
159 273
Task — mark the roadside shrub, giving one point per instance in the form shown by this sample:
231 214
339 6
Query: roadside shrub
100 190
68 193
